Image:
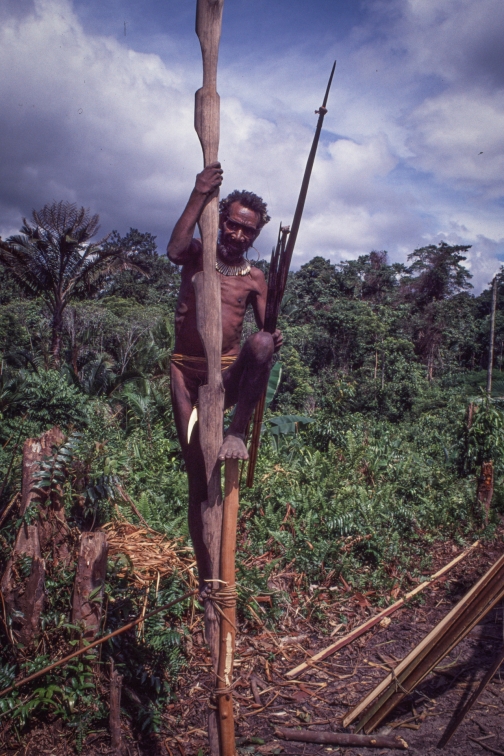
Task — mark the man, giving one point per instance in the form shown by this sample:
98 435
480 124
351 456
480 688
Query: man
245 371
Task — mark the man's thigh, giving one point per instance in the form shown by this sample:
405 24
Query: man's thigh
184 393
231 379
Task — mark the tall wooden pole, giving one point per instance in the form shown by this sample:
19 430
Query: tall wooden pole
228 618
492 338
208 314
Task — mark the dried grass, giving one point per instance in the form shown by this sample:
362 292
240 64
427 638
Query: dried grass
149 554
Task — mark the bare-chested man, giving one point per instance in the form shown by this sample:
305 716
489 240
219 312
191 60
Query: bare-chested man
245 371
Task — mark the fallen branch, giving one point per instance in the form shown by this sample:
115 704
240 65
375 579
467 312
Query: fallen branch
341 642
486 747
95 643
341 738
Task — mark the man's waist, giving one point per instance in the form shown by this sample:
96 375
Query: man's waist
199 362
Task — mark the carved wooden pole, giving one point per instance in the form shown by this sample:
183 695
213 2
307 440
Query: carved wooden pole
208 313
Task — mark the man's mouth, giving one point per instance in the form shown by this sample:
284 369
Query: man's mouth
235 246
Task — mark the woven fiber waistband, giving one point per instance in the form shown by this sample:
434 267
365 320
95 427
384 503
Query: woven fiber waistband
199 364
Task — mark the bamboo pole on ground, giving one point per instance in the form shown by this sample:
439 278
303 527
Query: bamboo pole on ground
208 318
361 629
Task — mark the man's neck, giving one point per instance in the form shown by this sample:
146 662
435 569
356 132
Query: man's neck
229 257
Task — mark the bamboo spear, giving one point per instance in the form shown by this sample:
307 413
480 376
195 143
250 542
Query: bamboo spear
279 269
208 316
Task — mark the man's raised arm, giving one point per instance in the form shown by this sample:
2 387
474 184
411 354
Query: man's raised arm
207 182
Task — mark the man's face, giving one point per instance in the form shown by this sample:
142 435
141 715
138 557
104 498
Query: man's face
238 231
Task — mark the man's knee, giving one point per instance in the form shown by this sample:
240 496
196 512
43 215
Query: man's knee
261 346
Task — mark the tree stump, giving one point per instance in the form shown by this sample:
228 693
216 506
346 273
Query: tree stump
23 585
24 577
90 583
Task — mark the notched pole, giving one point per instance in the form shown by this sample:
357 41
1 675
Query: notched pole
208 318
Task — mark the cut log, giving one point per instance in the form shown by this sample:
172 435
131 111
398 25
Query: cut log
341 738
90 583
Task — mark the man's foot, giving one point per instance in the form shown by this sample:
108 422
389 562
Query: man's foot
233 447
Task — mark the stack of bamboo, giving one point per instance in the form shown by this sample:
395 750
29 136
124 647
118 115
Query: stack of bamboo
409 673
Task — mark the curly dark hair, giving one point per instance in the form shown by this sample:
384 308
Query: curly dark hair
249 200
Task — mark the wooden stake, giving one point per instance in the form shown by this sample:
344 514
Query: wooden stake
228 617
358 631
115 711
208 317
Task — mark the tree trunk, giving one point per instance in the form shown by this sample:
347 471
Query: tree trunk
89 583
57 333
485 487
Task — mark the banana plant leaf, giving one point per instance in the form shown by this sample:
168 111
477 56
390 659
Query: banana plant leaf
287 424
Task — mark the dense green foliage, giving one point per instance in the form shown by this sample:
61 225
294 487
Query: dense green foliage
367 455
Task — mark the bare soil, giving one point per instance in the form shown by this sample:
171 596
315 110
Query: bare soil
320 697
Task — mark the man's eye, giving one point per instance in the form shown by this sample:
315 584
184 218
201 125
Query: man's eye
232 225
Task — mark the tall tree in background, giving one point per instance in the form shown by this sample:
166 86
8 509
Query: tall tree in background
437 273
52 258
435 276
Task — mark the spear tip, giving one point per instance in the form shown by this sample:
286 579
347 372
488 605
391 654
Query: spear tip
329 84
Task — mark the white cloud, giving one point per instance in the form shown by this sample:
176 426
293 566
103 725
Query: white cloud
87 119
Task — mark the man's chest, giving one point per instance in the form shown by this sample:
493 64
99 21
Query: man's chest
236 291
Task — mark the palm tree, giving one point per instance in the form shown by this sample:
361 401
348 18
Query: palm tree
53 258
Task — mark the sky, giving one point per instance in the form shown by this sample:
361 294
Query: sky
97 104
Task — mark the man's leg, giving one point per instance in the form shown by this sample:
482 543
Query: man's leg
183 397
245 383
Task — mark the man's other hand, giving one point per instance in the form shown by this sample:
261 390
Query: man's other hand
209 179
278 340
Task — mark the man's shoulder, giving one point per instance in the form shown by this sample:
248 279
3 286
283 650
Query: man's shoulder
192 257
257 275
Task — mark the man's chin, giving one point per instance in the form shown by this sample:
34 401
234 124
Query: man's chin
232 255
